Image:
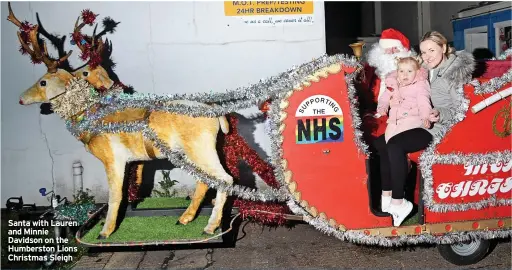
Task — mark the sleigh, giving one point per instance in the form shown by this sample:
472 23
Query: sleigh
322 166
461 183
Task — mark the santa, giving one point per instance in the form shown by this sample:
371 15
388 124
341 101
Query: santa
392 44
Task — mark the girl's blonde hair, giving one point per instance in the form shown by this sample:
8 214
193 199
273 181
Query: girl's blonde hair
416 60
440 40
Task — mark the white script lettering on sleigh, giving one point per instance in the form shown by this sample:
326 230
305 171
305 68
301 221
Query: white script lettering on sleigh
478 187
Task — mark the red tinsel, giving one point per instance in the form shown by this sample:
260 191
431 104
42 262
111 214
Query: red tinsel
236 148
25 29
120 84
262 212
86 53
133 188
77 37
102 89
88 17
265 106
94 59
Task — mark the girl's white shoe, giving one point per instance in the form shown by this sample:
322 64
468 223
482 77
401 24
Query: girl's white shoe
385 202
400 212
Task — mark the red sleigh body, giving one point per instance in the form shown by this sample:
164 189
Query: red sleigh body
331 180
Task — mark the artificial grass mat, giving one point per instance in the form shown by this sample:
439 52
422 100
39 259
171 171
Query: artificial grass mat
157 228
164 202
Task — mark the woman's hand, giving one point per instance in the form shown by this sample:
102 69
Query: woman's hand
434 116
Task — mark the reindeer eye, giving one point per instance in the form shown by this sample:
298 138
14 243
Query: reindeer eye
42 83
85 73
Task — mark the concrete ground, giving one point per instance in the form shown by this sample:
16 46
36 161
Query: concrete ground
300 247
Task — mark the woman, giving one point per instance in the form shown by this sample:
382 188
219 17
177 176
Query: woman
448 72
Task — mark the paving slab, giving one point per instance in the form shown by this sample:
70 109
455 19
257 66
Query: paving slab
93 261
125 260
192 258
155 259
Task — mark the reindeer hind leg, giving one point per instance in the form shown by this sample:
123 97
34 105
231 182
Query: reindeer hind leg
206 158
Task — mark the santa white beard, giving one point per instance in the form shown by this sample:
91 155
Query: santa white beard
385 63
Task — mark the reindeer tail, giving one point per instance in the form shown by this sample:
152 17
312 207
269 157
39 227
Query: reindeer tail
224 124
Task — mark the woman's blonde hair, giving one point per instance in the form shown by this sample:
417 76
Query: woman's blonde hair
416 60
440 40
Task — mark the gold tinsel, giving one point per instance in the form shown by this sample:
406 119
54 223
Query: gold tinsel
79 96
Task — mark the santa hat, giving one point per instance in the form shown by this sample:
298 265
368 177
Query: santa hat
393 38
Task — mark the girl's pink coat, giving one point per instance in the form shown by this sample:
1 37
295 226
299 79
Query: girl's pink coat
410 104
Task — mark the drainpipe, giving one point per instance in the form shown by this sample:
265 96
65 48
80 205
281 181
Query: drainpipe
77 176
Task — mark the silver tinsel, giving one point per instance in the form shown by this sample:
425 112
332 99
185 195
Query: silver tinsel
225 103
220 104
461 159
504 55
359 237
428 158
493 84
275 88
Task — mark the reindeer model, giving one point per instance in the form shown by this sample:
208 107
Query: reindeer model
195 136
94 73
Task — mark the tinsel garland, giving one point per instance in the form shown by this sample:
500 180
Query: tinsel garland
506 54
178 158
75 212
428 158
230 101
133 188
25 30
79 97
235 149
493 84
358 237
263 212
275 89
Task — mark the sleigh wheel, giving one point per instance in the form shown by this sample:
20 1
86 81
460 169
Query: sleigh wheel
465 253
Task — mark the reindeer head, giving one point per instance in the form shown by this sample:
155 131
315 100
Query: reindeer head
51 84
93 72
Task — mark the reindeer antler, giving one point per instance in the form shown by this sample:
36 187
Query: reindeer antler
28 35
91 47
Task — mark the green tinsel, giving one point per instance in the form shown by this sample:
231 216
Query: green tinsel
77 212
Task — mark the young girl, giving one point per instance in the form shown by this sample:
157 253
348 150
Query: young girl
408 96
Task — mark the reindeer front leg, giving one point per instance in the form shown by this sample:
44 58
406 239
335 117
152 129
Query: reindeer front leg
115 195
